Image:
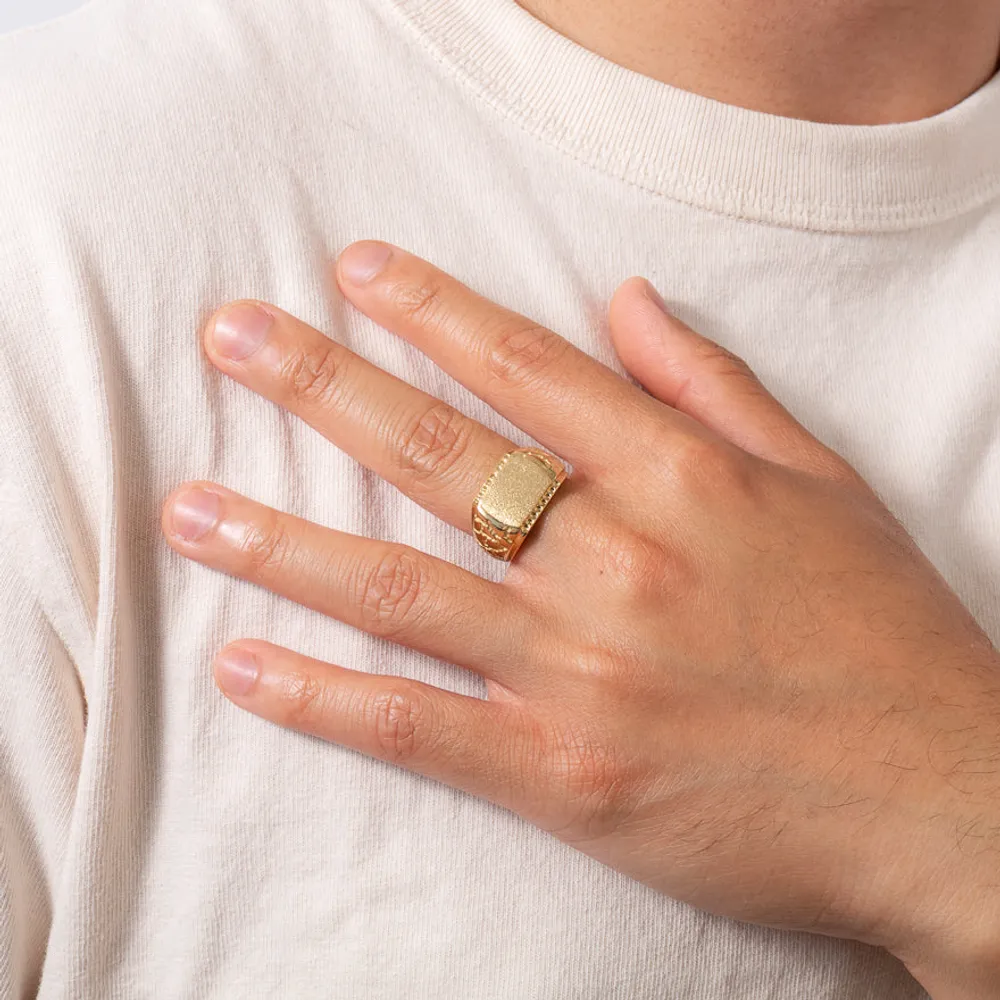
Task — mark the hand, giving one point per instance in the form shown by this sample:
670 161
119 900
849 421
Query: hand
718 664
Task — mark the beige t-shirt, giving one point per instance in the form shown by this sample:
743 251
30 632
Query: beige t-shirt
159 157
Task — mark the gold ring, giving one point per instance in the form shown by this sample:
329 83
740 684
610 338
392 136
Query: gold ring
513 498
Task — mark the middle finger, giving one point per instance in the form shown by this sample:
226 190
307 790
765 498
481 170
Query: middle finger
434 454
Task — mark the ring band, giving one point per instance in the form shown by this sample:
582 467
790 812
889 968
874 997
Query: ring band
513 498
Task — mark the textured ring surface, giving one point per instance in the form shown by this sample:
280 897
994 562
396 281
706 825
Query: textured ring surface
513 498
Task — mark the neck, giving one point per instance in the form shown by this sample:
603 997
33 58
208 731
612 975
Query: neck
859 62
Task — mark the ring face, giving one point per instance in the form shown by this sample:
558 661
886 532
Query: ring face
513 498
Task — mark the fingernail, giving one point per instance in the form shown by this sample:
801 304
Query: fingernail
194 513
654 296
360 262
240 330
236 671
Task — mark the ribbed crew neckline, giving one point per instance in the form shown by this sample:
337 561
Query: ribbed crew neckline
715 156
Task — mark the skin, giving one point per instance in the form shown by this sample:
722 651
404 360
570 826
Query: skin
856 62
718 664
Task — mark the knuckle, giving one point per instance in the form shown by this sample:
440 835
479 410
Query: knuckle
522 353
398 721
713 362
435 443
597 782
389 592
721 361
527 756
266 548
314 376
418 301
302 697
702 464
637 568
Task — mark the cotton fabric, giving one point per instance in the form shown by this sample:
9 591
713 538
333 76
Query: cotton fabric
160 157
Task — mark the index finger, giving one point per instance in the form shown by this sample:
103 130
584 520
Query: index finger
548 387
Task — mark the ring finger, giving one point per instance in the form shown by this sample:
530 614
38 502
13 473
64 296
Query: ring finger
427 449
